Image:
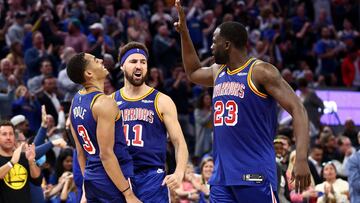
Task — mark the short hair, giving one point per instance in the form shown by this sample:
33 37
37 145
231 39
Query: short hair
316 146
132 45
76 67
302 82
234 32
7 123
341 140
47 77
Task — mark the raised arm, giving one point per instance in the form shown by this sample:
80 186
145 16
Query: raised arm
266 76
105 132
194 71
168 111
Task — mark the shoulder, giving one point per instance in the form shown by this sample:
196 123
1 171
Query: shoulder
163 99
264 72
104 101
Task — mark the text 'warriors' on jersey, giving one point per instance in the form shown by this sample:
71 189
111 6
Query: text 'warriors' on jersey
84 125
244 129
144 129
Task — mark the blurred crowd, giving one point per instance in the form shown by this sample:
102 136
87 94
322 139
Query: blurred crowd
313 43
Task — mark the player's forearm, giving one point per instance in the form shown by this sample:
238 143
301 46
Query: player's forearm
189 56
81 159
181 155
301 132
112 168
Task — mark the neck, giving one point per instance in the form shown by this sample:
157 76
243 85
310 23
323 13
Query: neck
6 152
237 58
94 86
331 181
135 91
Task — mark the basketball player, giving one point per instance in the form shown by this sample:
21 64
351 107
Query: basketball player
96 128
244 100
148 116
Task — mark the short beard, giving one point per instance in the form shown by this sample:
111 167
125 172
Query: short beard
221 58
135 82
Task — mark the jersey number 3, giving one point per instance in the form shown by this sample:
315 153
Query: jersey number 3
88 145
137 141
232 113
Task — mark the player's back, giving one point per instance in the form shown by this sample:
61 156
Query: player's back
144 129
244 128
84 125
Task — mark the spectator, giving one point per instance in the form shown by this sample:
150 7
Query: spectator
315 164
203 125
48 96
34 55
22 124
156 79
187 191
201 183
63 164
27 104
18 168
74 38
327 50
165 49
313 104
16 56
46 70
333 188
64 82
350 68
16 30
99 42
351 132
346 150
353 171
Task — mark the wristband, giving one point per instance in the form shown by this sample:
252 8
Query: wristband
10 164
126 189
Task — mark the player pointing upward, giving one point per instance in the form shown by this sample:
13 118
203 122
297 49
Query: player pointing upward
245 94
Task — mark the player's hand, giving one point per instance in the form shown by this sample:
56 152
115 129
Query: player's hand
180 25
130 197
16 155
173 181
301 175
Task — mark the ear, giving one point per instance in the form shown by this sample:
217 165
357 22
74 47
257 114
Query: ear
227 45
122 67
88 74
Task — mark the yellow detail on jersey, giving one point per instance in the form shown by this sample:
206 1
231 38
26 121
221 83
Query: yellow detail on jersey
156 107
252 85
82 91
17 177
219 71
113 95
94 99
118 116
232 72
135 99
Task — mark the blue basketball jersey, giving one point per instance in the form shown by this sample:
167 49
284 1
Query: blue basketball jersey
144 129
244 129
84 125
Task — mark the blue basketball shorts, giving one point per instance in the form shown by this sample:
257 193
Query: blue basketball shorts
243 194
102 191
147 186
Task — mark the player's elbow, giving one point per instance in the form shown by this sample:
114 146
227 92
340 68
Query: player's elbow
105 155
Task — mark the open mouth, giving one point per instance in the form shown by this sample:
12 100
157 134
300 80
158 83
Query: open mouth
137 75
